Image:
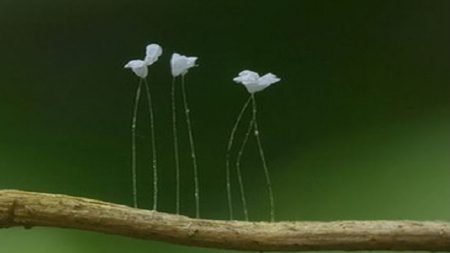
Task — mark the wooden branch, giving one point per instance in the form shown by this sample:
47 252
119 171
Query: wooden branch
28 209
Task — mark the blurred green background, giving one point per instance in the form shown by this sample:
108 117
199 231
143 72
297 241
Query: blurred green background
358 128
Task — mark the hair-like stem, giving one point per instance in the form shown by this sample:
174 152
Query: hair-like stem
175 148
238 167
133 143
153 143
263 160
191 142
228 154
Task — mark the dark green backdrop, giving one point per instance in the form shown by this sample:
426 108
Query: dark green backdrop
358 128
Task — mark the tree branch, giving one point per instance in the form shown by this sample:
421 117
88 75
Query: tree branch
28 209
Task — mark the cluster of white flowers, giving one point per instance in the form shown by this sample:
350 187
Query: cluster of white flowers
180 64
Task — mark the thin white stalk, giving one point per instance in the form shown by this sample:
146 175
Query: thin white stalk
263 160
228 154
153 143
191 142
238 168
133 143
175 147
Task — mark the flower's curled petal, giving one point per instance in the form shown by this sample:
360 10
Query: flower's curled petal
247 77
191 62
134 64
268 79
152 53
139 67
248 73
180 64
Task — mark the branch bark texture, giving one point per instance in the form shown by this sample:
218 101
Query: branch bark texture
29 209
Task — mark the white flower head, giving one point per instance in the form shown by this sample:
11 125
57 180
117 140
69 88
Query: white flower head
139 67
253 82
180 64
152 53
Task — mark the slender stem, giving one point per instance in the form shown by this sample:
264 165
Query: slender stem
133 143
191 142
175 147
238 168
227 160
29 209
264 163
153 143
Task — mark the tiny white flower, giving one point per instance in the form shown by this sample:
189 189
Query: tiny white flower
139 67
152 53
180 64
253 82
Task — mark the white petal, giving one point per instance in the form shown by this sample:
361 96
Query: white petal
263 82
191 61
152 53
268 79
247 77
134 64
180 64
247 73
138 67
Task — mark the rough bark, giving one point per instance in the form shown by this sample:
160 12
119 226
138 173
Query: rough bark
29 209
